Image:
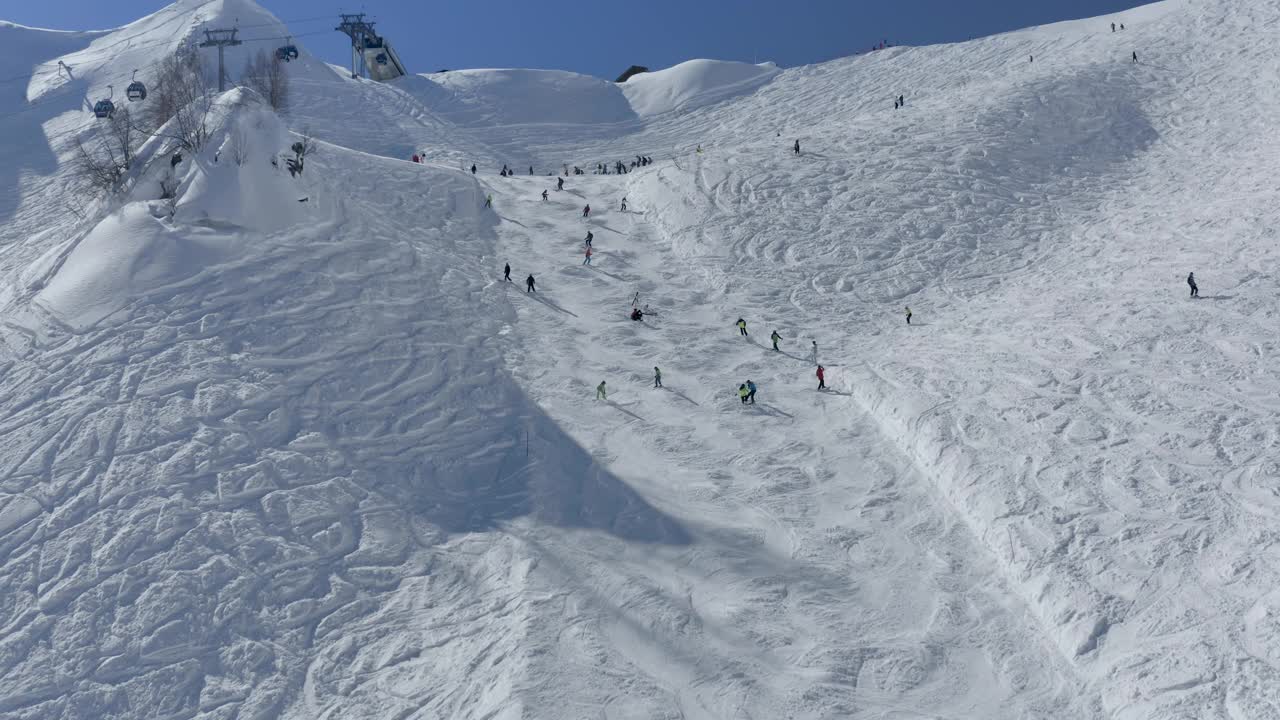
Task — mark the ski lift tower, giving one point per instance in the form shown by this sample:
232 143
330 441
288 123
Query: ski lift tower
373 53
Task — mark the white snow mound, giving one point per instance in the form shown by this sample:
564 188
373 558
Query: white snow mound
693 84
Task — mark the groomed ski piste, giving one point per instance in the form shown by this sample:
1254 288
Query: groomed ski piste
263 457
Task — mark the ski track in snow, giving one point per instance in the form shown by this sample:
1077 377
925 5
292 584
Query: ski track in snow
343 470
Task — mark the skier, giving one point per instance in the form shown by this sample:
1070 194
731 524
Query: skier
559 183
742 393
1113 27
796 149
822 378
506 272
742 326
751 392
1135 56
1195 289
601 392
624 204
590 237
488 201
505 171
586 211
775 337
473 169
415 157
544 196
657 377
530 169
637 314
587 260
529 284
908 316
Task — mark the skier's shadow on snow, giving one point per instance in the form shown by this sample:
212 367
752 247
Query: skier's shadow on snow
550 304
771 410
623 410
607 274
1215 297
681 395
504 218
829 391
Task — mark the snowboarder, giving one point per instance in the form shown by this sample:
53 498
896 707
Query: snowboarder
751 392
822 378
559 183
742 326
473 169
657 377
586 211
544 196
796 149
1195 289
506 272
529 284
624 204
488 200
775 337
1135 56
601 392
587 260
590 237
742 393
908 316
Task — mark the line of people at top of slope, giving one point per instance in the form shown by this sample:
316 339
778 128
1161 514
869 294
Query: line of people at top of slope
619 167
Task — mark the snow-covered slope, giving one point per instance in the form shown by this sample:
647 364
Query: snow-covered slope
291 447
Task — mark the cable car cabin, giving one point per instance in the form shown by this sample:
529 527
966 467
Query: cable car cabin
104 109
136 91
287 53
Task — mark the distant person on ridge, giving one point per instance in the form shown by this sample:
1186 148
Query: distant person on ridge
775 337
529 284
822 378
1195 289
1113 27
601 392
530 169
415 157
506 272
742 326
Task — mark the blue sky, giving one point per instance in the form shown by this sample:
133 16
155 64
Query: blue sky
604 37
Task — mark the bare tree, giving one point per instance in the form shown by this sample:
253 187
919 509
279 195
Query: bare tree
106 156
265 75
181 102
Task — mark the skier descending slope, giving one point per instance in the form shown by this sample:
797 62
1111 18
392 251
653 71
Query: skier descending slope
1191 281
586 260
590 237
506 272
742 326
586 211
601 392
529 284
775 337
822 378
908 315
544 196
657 377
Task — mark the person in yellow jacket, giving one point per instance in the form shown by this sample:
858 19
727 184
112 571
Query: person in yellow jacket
742 326
908 316
743 392
601 393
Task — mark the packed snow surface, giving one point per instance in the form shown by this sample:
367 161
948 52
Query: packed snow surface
291 446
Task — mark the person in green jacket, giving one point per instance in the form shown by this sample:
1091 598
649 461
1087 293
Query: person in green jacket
908 316
742 326
657 377
601 393
742 393
775 337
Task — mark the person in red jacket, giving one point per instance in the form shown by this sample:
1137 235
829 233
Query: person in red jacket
415 157
822 378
